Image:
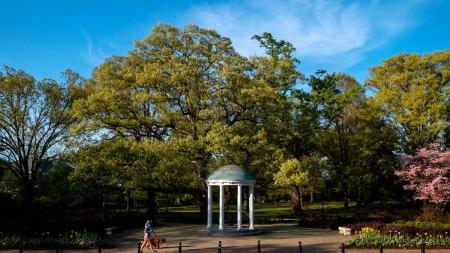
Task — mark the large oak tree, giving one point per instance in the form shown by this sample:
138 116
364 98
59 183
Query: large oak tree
190 88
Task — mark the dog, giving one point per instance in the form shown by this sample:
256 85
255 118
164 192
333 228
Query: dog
155 241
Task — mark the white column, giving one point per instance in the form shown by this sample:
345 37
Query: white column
221 209
209 224
239 207
250 207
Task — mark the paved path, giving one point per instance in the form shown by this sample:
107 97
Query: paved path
278 236
282 238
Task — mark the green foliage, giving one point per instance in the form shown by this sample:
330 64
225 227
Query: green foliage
183 102
10 185
111 167
370 152
433 213
334 121
306 173
421 224
73 239
413 93
34 122
189 89
276 48
55 186
291 173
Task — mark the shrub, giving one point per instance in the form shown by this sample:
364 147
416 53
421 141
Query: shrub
422 224
73 239
357 227
431 213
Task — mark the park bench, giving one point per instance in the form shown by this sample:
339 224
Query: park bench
345 230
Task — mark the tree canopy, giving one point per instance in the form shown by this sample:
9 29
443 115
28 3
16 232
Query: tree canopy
189 87
183 102
35 120
413 91
427 174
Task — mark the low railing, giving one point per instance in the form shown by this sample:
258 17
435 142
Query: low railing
258 248
422 248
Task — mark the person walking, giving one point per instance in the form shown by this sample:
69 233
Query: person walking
148 231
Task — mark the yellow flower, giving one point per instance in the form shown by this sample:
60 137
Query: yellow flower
366 230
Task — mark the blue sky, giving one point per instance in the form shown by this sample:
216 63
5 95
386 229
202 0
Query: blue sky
46 37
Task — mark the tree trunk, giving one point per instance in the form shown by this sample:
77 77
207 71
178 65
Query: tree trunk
202 190
128 200
151 202
28 191
345 188
311 196
359 199
345 201
301 198
296 203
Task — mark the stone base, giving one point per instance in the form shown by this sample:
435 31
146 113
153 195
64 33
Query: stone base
231 232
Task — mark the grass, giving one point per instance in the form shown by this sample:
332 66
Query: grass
267 212
270 208
279 208
263 213
330 214
327 205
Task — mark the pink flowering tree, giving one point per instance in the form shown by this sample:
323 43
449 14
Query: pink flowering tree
427 174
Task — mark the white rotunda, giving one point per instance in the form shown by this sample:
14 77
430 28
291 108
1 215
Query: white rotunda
231 175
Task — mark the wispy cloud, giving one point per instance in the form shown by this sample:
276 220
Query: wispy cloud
93 53
332 32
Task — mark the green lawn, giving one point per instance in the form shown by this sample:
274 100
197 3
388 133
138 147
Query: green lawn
268 212
328 205
282 208
273 208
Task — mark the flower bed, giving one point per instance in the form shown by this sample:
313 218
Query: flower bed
409 228
400 237
71 239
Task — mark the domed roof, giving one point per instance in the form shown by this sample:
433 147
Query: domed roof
231 172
